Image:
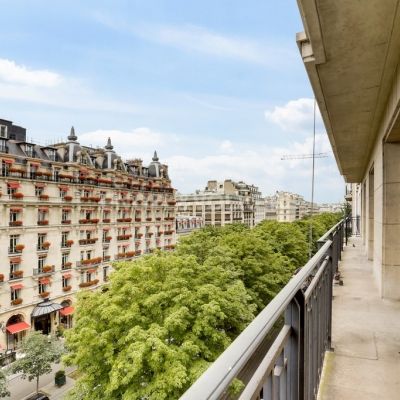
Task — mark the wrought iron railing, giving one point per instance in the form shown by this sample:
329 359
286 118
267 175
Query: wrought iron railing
291 367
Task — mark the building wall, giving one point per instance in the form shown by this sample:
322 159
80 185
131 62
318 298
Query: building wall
129 216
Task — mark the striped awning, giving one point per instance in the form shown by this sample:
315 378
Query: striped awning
18 327
45 307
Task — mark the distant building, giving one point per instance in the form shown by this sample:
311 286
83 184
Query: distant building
186 224
224 203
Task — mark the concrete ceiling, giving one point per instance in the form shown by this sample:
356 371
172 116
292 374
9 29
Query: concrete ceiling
351 49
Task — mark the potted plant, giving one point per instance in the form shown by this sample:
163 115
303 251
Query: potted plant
59 377
46 245
17 195
69 242
19 247
67 198
47 268
44 197
67 288
1 277
44 295
18 274
68 264
15 302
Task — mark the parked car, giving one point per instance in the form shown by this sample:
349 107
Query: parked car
38 396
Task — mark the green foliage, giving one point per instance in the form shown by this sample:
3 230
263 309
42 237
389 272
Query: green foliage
4 392
39 352
167 316
163 320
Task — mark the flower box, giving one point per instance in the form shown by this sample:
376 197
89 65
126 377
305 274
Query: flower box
138 252
66 221
19 247
16 169
89 283
47 268
124 237
44 197
170 246
106 220
65 176
18 195
106 258
158 218
15 302
148 219
67 198
129 254
108 199
69 242
94 221
94 199
46 245
18 274
84 221
67 288
139 201
108 238
84 199
104 180
138 219
171 203
43 222
15 223
68 264
1 277
139 235
44 295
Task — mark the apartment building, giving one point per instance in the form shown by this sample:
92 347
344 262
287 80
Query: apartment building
216 209
224 203
68 211
186 224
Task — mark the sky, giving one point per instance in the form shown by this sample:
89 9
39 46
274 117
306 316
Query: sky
218 88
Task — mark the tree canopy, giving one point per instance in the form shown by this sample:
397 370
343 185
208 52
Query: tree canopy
167 316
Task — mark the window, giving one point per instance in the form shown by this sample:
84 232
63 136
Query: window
62 192
3 131
65 215
41 240
14 239
105 274
38 191
64 259
41 263
42 287
11 190
105 234
65 282
29 150
51 153
64 238
14 266
105 253
89 276
3 146
14 215
42 215
15 294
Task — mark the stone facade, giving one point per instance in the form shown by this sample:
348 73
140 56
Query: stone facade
68 212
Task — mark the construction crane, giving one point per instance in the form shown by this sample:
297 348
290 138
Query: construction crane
303 156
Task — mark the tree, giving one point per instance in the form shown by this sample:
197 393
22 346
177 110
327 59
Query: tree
164 319
39 352
4 392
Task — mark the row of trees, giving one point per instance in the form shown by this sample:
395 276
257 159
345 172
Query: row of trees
165 317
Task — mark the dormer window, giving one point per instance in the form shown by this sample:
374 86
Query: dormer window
83 160
3 132
51 153
29 150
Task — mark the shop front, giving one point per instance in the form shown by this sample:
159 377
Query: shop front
16 329
43 316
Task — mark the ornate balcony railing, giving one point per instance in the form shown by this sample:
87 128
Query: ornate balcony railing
289 368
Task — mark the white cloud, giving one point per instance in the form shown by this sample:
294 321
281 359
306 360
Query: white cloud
194 38
20 74
295 116
226 146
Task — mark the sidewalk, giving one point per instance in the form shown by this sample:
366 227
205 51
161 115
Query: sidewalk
21 388
365 363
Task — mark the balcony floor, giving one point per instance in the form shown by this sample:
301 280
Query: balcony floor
365 363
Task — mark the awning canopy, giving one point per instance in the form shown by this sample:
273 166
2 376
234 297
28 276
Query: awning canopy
15 260
44 281
67 276
34 163
13 185
67 310
16 209
45 307
8 161
18 327
17 286
39 184
63 188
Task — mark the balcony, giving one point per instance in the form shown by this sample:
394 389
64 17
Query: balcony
46 270
281 353
86 241
365 335
89 263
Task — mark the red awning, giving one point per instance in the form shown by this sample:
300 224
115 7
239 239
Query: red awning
39 185
106 229
67 310
18 327
17 286
67 276
16 209
91 271
63 188
125 245
15 260
13 185
44 281
8 161
34 163
67 208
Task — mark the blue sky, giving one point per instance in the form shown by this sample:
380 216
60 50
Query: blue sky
217 87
